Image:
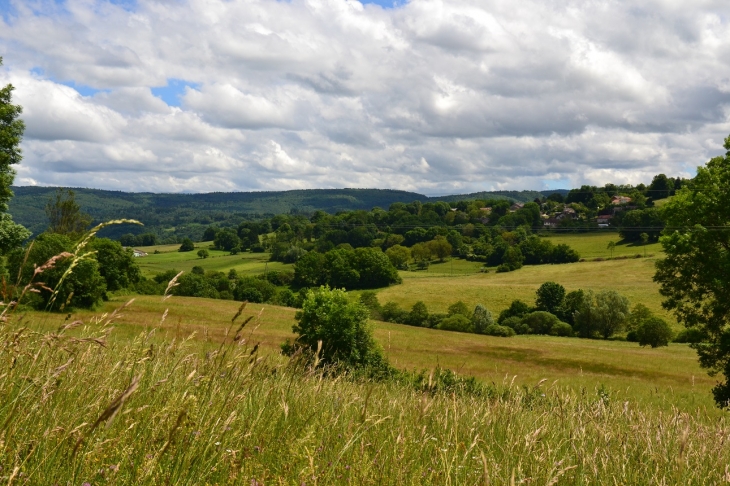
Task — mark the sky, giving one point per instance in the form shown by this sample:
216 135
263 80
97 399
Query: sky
438 97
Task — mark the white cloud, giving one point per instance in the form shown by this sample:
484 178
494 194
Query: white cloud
434 96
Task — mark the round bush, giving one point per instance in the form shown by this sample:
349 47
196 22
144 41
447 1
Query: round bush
561 328
497 330
540 322
457 322
654 332
250 294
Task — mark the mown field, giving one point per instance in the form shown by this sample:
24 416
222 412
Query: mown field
169 258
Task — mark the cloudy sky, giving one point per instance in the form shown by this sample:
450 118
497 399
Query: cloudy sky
434 96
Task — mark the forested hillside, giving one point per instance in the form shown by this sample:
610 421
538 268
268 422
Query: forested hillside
187 215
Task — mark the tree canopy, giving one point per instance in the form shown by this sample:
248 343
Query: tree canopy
694 277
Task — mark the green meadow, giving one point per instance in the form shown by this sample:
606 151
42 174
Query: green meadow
169 258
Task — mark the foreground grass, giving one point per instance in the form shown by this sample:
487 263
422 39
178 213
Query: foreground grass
79 405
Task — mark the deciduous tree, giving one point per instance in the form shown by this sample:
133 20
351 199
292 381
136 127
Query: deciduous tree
694 277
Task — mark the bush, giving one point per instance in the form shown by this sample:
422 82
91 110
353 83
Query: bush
500 331
203 253
258 248
481 319
561 328
187 245
654 332
250 294
392 312
286 298
516 309
328 316
691 335
456 322
198 270
516 324
540 322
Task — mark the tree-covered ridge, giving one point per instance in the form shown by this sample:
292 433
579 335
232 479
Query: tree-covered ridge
187 215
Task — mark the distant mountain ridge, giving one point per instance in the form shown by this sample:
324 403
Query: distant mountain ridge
185 214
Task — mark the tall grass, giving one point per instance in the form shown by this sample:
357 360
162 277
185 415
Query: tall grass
77 406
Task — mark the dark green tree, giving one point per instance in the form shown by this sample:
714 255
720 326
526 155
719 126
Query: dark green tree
694 277
203 253
226 239
84 287
65 216
11 133
550 298
481 319
116 265
654 332
418 315
187 245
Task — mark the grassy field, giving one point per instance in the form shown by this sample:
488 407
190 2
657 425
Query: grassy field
595 245
632 278
81 406
170 258
664 377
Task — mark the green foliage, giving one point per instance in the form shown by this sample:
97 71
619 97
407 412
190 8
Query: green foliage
116 265
418 315
459 308
516 309
12 235
540 322
690 335
346 268
11 133
500 331
604 313
65 216
481 319
187 245
562 329
328 316
84 287
203 253
654 332
694 277
398 255
515 323
550 298
455 322
392 312
226 239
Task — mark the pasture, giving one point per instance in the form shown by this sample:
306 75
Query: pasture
663 377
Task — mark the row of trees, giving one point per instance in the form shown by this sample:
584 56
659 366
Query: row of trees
579 313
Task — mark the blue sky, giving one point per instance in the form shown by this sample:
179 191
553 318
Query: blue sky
432 96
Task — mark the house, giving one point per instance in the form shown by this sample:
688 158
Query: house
604 220
516 206
551 222
616 200
139 253
486 210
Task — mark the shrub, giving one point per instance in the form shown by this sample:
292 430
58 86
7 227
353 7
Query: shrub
258 248
198 270
691 335
481 319
459 308
328 316
286 298
561 328
500 331
654 332
418 315
203 253
187 245
250 294
392 312
540 322
456 322
516 309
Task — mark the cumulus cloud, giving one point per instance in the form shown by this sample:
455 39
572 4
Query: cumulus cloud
432 96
